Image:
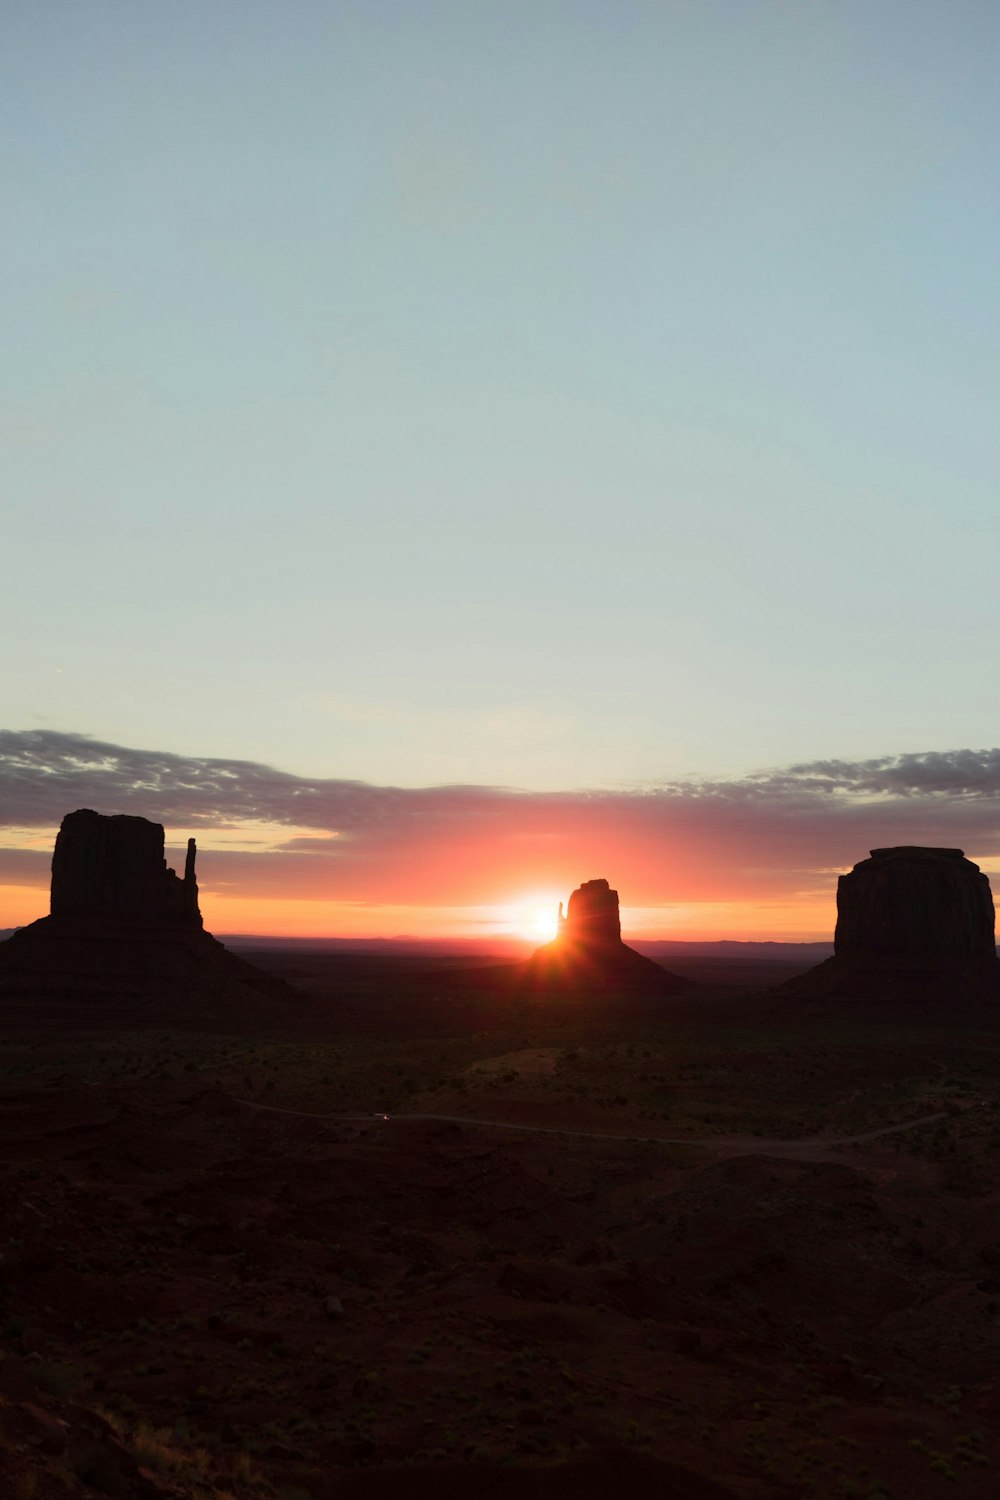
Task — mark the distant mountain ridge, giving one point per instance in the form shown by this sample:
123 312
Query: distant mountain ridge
652 947
733 947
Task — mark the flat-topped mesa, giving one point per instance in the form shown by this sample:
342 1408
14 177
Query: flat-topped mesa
113 868
912 904
592 917
914 927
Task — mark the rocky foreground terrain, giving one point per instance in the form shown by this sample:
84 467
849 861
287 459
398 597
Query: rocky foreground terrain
223 1275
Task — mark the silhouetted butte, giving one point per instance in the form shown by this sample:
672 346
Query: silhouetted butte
912 923
122 924
113 868
588 952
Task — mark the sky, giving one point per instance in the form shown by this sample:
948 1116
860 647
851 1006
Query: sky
548 427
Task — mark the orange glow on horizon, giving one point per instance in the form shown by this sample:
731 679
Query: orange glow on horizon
490 882
531 920
21 904
536 919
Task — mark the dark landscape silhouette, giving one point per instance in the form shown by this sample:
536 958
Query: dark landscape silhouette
122 924
333 1225
588 953
914 925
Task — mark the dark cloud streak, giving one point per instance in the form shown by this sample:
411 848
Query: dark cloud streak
44 773
684 840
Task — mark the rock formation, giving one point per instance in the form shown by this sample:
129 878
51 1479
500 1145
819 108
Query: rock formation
114 868
588 952
909 902
911 921
122 924
592 918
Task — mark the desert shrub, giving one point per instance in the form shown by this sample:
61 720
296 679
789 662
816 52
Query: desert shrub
636 1435
55 1379
154 1450
98 1467
245 1471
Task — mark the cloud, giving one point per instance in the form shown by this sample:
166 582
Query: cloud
950 773
45 773
777 834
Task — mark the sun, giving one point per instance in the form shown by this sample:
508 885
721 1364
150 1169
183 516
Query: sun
538 923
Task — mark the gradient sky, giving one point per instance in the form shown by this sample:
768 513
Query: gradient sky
544 396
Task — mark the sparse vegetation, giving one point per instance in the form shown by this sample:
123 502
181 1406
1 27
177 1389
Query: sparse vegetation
254 1221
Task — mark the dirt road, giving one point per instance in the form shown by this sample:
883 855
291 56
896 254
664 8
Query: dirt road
728 1145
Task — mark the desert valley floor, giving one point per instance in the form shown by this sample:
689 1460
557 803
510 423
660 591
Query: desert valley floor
740 1250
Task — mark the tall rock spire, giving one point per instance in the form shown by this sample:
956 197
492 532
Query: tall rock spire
592 917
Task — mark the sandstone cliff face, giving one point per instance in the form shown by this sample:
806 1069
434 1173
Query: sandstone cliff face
592 916
113 867
912 903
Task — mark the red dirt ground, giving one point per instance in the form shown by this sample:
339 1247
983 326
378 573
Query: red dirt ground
205 1298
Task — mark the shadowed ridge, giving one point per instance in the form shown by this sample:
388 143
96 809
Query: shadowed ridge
914 925
588 952
122 925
